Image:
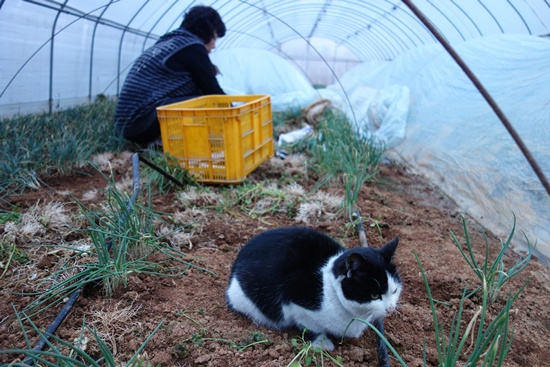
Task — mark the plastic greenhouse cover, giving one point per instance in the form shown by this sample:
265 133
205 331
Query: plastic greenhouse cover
455 139
436 122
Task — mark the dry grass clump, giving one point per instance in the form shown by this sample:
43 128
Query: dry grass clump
198 197
194 216
91 195
319 207
294 189
125 185
176 238
108 161
294 165
114 323
185 225
48 223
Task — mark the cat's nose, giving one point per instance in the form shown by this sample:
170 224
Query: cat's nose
390 310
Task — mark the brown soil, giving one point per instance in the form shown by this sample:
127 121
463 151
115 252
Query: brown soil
198 330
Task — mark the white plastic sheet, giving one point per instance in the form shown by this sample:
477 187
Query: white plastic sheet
455 139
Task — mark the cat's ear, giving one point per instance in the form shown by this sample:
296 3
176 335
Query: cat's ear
354 263
388 249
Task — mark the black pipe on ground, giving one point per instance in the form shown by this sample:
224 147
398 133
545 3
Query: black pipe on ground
161 171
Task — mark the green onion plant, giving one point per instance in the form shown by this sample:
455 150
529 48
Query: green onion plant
487 346
492 273
124 240
490 344
342 154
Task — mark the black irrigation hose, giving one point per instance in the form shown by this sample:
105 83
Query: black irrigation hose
484 93
29 361
160 170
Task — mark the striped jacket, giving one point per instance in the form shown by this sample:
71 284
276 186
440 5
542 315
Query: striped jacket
149 82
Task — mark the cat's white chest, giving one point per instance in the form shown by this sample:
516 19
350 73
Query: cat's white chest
325 320
333 317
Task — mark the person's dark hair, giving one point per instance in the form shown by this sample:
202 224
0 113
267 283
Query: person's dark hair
204 22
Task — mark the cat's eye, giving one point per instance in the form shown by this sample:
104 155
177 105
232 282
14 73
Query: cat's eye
395 291
375 296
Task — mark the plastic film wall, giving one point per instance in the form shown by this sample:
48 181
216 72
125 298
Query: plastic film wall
57 53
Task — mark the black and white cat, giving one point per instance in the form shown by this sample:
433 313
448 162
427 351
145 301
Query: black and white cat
299 277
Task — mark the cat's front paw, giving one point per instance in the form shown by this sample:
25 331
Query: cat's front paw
322 341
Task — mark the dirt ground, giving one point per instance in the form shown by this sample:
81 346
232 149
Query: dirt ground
197 328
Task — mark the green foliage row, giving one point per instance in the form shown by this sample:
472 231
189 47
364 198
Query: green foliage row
36 144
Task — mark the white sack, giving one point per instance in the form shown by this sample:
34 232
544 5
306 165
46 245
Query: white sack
379 112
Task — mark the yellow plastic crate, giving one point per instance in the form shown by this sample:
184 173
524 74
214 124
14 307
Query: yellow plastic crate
218 138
